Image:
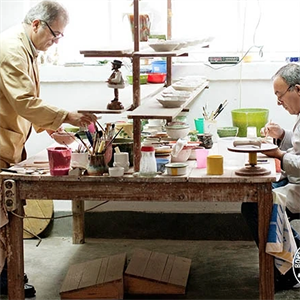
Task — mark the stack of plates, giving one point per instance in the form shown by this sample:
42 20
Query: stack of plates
188 83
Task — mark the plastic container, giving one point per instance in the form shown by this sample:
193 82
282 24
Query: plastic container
148 166
59 160
157 77
159 66
143 78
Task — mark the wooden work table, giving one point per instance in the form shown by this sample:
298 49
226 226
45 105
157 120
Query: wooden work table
195 186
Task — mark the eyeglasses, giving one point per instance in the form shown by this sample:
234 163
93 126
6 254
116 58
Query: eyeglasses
56 35
279 101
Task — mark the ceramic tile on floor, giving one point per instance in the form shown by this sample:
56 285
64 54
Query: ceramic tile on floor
219 269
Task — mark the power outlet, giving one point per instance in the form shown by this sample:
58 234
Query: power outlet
9 194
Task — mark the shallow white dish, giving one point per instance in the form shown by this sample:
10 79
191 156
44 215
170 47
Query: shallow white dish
163 46
183 86
169 103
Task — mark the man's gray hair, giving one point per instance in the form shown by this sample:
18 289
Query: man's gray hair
290 73
47 11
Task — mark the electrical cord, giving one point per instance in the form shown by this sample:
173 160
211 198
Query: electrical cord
60 217
52 218
260 52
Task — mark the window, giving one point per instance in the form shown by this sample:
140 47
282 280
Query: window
235 25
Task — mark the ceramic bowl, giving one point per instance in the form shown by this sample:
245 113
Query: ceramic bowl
176 169
182 156
63 138
164 46
169 103
177 131
249 117
116 171
227 131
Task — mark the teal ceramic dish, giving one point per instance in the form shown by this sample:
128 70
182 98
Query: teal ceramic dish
249 117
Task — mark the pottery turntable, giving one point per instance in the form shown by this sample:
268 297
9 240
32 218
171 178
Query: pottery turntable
252 147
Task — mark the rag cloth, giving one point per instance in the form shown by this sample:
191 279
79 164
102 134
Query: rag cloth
280 243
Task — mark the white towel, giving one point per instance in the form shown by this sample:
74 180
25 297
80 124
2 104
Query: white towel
281 242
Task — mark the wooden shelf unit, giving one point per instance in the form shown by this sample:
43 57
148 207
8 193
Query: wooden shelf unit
142 111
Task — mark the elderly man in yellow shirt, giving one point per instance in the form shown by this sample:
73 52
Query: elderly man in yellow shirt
21 107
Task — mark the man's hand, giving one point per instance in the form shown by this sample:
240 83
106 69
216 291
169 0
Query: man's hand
273 130
79 119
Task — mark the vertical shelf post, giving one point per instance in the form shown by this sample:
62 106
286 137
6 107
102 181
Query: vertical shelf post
136 87
169 36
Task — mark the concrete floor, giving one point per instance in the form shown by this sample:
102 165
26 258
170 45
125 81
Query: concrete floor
219 269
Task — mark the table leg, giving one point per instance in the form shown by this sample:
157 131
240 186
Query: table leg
78 222
266 261
15 253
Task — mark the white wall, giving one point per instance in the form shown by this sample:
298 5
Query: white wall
245 85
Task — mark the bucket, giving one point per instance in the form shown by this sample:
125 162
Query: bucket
59 160
159 66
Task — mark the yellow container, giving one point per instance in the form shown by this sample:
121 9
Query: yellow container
214 165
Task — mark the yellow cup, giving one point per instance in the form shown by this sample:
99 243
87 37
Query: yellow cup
214 165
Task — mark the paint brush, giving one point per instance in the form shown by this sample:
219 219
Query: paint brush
82 141
113 138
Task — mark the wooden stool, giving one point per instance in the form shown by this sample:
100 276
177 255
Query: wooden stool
96 279
156 273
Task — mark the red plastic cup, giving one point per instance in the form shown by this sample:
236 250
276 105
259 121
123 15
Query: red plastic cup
59 160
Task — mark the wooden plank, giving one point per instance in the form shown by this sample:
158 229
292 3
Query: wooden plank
90 273
152 108
180 271
107 53
168 269
115 267
138 262
73 277
156 266
102 271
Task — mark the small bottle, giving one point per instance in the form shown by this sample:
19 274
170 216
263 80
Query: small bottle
148 166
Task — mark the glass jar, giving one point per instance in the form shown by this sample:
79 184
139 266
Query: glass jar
148 166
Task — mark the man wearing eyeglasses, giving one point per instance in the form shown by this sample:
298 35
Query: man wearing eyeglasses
20 104
286 85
